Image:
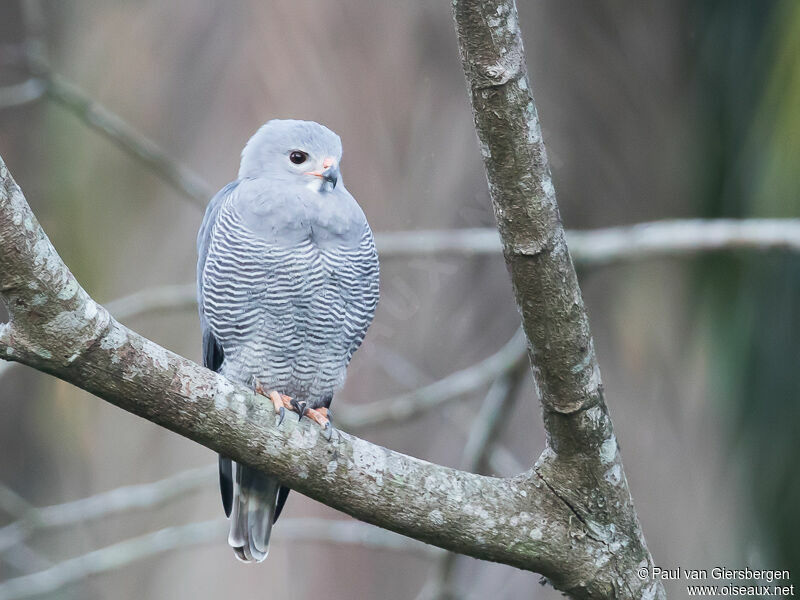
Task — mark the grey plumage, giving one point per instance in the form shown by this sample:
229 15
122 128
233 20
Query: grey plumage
287 287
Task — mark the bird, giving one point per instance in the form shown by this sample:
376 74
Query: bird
288 284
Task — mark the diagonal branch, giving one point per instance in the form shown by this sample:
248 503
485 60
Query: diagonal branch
16 94
183 536
482 436
406 406
582 464
126 498
95 115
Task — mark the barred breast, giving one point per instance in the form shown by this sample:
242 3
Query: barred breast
292 315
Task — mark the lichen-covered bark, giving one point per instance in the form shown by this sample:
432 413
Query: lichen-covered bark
582 464
57 328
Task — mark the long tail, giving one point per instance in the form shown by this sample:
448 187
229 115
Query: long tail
252 514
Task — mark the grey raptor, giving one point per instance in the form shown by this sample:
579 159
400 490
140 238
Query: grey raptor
287 279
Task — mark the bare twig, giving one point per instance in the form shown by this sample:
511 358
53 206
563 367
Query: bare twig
682 237
99 118
12 503
482 437
456 242
16 94
24 557
502 462
122 499
184 536
160 298
628 243
412 404
488 423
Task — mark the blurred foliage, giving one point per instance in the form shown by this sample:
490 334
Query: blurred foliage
749 83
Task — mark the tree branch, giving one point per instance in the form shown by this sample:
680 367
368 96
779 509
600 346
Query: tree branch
582 464
95 115
489 421
482 436
161 298
183 536
57 328
91 508
628 243
16 94
406 406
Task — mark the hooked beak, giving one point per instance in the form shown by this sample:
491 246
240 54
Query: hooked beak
329 173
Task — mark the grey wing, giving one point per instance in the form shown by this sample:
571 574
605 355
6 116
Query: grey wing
204 240
364 291
212 350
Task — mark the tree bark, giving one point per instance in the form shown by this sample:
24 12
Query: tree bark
582 463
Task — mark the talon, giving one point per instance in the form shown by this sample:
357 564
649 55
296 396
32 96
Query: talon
301 408
279 401
321 417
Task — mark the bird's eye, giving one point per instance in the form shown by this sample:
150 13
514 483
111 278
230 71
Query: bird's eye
298 157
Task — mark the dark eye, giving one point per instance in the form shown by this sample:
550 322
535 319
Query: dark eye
298 157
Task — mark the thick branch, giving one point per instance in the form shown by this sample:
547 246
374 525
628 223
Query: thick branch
56 327
582 464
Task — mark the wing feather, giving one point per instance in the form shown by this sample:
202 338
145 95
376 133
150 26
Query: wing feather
212 350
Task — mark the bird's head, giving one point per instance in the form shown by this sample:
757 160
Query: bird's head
301 153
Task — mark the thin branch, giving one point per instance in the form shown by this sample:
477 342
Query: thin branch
24 557
488 423
628 243
457 242
503 462
12 503
406 406
184 536
17 94
659 239
482 437
155 299
95 115
122 499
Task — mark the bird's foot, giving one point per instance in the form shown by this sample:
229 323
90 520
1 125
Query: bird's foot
279 401
320 416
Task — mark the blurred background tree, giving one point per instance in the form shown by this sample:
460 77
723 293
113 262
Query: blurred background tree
748 68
